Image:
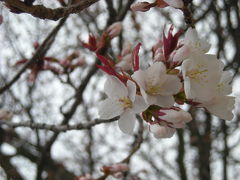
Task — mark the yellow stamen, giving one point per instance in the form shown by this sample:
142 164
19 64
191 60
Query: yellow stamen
126 102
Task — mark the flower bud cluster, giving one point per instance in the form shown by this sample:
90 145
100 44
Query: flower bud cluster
179 72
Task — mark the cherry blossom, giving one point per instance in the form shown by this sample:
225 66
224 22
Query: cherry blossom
156 86
192 44
122 101
201 74
221 104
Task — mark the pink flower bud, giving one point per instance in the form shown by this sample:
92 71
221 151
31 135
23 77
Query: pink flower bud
142 6
114 30
176 118
162 131
115 168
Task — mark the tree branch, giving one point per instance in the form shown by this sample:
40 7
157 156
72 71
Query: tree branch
43 12
56 128
38 54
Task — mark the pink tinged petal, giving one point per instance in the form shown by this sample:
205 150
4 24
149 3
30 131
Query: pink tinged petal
223 107
177 117
162 131
164 101
171 86
126 63
114 30
139 104
109 108
181 54
175 3
127 121
131 86
114 88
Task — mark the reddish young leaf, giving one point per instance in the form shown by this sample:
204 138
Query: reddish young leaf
135 61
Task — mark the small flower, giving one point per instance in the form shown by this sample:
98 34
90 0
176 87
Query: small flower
114 30
156 86
121 101
162 131
192 44
201 74
221 104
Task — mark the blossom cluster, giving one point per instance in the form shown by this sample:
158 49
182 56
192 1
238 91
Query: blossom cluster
180 72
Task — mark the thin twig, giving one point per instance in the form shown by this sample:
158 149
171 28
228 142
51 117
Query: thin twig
56 127
38 54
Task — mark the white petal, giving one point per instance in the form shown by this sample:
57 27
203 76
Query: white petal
195 44
171 86
155 74
139 76
109 108
181 54
223 107
164 101
148 99
162 131
131 86
201 91
127 121
225 87
139 104
113 87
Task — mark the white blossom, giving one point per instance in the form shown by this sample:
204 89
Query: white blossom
221 104
192 44
201 74
156 86
122 101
